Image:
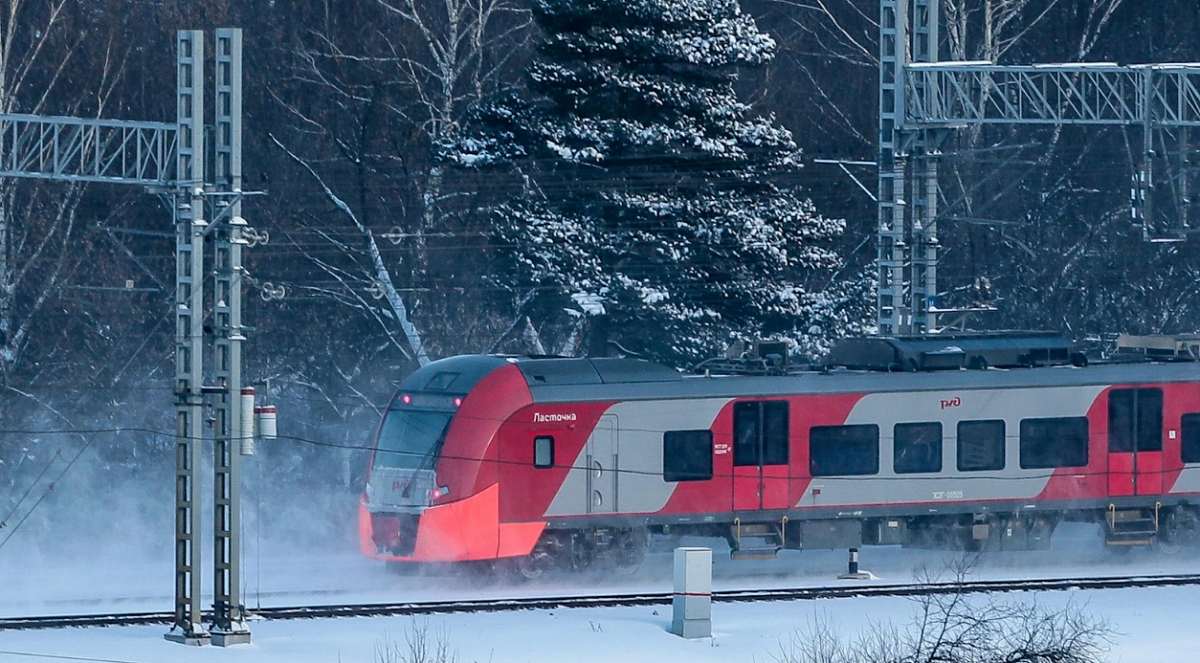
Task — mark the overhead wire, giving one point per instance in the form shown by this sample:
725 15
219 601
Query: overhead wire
968 475
53 485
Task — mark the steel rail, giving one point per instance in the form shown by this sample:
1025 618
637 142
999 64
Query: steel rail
619 600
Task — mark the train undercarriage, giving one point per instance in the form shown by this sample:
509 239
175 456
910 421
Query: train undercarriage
1169 529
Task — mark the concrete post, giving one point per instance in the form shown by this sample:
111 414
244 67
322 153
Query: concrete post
691 607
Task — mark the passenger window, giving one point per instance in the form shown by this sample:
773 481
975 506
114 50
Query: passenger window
775 433
1190 442
980 445
543 451
1054 442
687 455
760 433
917 448
843 450
745 434
1150 414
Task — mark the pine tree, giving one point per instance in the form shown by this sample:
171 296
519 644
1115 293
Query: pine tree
654 203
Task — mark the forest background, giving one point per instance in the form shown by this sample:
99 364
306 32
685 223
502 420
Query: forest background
384 253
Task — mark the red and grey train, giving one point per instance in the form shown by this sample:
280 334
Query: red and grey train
548 462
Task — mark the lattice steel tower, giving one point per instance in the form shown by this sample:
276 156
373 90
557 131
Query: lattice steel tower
170 160
923 100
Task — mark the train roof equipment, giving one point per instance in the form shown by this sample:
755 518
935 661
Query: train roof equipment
954 351
1184 347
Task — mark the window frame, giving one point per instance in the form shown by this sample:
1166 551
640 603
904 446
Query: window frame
896 444
536 440
747 455
680 437
770 444
816 432
1128 433
1184 429
1055 439
959 439
777 439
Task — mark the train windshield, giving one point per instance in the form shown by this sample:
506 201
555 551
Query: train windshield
410 438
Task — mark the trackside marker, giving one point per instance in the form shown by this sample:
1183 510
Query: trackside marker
691 603
852 571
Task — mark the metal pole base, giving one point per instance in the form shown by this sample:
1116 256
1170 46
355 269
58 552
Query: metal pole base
231 638
194 639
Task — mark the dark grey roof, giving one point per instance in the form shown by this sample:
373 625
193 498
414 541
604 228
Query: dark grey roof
575 372
453 375
837 382
567 380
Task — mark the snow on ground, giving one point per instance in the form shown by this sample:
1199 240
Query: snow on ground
116 579
1154 625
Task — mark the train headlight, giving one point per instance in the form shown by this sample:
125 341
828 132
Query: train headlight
441 491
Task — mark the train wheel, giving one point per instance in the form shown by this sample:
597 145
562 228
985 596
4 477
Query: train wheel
534 565
631 552
547 555
1180 530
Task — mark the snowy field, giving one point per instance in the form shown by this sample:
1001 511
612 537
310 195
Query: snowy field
117 579
1153 625
127 580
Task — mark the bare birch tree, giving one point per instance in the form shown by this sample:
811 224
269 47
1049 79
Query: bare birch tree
40 52
376 103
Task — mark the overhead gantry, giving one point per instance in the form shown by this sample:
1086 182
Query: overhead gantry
923 100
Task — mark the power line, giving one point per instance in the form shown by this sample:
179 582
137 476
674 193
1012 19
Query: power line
64 657
49 489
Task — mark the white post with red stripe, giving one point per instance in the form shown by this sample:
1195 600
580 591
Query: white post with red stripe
691 606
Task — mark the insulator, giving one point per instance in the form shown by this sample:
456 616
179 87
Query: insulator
248 417
265 415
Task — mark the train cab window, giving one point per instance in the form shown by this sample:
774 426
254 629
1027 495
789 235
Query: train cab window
838 451
543 451
1054 442
1189 444
760 433
980 445
687 455
440 381
917 448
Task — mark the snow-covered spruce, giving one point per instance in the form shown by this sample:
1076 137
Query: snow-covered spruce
652 203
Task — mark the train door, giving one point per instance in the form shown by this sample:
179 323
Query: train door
760 455
602 466
1135 420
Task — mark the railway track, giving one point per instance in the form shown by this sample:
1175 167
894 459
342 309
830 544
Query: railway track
618 600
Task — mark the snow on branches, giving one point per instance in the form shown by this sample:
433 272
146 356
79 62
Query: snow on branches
647 199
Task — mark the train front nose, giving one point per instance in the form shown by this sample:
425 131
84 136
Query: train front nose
395 534
396 498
